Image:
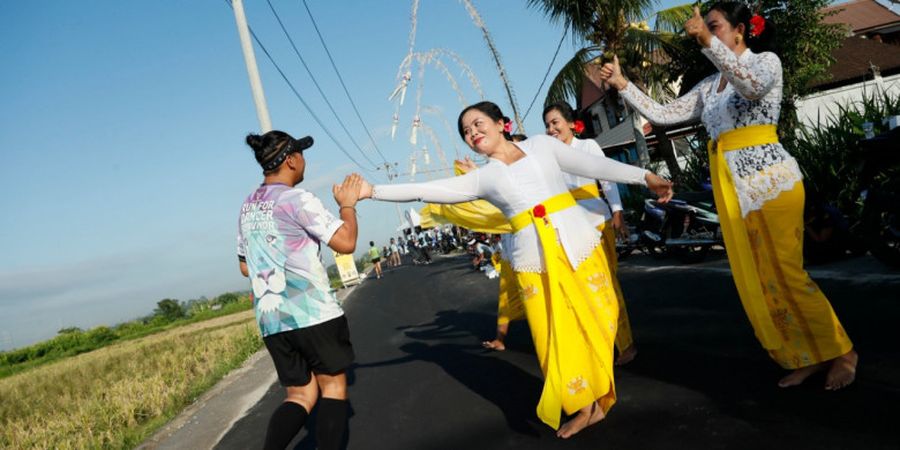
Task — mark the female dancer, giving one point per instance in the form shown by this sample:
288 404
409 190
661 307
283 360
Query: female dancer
555 252
758 193
559 119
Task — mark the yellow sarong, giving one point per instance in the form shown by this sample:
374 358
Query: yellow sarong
790 316
509 302
573 316
482 216
624 337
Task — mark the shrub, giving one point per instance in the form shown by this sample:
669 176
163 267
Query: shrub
829 152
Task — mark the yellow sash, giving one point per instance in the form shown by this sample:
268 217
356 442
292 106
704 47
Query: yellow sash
553 204
737 243
587 191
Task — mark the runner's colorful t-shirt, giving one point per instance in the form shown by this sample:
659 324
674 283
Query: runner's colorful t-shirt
280 233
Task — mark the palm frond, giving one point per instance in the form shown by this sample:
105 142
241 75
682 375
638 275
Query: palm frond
578 14
566 86
650 45
672 20
631 10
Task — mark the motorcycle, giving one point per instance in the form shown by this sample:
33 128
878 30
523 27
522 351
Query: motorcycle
877 226
685 227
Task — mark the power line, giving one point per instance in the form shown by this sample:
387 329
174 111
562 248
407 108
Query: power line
300 97
558 46
341 79
316 83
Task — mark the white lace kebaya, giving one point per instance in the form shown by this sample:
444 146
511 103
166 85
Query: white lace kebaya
752 96
519 187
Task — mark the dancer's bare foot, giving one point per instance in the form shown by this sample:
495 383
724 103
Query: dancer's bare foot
798 376
586 417
842 371
496 344
626 356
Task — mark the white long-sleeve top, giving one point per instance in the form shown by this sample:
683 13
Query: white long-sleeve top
751 97
520 186
598 209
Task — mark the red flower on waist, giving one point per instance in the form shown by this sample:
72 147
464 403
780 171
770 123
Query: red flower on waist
757 25
539 211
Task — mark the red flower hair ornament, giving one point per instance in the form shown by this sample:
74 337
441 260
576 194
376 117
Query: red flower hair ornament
579 127
757 25
507 127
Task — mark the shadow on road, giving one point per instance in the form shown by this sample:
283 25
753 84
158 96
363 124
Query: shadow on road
514 391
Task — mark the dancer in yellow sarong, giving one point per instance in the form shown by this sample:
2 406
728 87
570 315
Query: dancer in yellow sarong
604 207
758 192
554 251
481 216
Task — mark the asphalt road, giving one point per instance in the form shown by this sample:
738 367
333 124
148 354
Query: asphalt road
700 380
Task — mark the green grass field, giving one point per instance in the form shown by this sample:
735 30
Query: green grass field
116 396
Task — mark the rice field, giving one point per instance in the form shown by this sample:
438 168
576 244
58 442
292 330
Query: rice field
116 396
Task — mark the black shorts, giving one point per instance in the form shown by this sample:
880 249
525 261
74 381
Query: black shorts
376 260
323 349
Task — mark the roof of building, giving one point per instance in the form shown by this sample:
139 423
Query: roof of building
591 90
855 59
862 15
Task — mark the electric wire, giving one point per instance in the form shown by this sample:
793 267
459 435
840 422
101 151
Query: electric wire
341 79
316 83
550 67
300 97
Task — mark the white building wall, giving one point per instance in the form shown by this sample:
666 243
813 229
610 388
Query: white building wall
821 106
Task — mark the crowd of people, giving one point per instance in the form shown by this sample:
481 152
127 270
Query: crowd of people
549 198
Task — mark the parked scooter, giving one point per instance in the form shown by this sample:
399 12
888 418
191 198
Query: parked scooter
685 227
877 225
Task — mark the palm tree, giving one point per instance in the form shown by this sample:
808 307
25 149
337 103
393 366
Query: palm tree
618 27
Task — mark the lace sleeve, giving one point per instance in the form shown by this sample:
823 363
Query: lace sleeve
448 190
684 108
752 79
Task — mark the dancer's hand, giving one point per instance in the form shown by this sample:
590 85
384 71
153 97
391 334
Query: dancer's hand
365 190
611 73
660 186
347 193
466 165
618 223
696 28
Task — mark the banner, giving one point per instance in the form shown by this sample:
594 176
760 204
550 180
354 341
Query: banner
347 268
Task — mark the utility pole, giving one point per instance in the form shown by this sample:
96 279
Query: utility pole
259 97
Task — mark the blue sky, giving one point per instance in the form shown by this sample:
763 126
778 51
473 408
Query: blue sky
123 123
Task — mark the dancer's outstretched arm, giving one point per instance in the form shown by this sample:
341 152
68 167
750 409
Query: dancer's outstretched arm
447 191
685 108
602 168
610 191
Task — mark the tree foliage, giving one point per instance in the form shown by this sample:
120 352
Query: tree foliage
617 27
169 309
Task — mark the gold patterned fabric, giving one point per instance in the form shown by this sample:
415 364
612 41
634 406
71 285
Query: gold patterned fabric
791 317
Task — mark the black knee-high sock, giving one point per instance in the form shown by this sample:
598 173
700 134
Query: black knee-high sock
284 424
331 423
